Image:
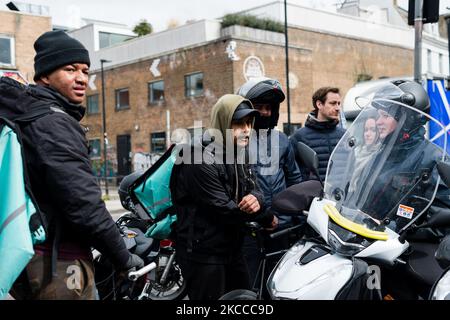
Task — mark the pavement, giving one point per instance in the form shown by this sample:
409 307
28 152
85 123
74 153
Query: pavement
113 203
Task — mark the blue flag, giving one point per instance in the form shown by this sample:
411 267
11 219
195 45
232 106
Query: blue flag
440 109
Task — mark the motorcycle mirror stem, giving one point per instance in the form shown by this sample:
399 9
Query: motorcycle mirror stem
307 158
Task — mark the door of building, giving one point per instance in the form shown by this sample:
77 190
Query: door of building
123 156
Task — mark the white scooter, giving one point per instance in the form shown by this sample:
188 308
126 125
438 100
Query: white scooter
360 233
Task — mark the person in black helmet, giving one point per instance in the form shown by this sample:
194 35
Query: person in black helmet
213 200
402 130
405 181
276 168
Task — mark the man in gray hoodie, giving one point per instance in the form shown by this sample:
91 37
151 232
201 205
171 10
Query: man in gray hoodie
213 200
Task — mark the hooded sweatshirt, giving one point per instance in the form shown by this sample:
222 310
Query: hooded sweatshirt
210 225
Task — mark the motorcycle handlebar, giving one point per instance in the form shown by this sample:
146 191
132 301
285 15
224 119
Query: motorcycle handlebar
284 231
134 275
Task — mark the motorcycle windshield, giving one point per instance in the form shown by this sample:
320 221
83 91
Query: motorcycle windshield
383 171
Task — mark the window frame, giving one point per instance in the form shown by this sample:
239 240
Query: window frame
152 144
150 98
12 47
88 112
187 91
109 35
117 92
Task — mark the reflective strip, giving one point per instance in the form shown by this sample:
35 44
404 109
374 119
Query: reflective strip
160 202
14 215
345 223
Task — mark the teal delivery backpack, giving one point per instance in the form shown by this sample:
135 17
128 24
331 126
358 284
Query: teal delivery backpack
151 196
21 223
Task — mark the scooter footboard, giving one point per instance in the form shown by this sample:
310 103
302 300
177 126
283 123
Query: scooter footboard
309 271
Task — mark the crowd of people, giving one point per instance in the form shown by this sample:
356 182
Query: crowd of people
214 199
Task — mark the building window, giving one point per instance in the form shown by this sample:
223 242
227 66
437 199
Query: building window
158 142
6 51
193 84
156 92
109 39
429 61
122 99
95 149
33 8
441 63
92 104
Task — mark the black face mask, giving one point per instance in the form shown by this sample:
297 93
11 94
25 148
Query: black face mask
263 122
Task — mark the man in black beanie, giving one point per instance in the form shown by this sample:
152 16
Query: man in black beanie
62 182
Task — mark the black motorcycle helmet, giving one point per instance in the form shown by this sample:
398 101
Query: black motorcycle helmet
410 93
264 90
124 187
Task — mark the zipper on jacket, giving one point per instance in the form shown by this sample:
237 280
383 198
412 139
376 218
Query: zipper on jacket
237 181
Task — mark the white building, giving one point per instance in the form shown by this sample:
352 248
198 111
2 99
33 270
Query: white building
96 35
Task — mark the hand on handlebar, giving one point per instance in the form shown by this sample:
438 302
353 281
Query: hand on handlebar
134 261
249 204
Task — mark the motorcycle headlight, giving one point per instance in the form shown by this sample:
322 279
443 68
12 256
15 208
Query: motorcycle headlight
342 247
442 289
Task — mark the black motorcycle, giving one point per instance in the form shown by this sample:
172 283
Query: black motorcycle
161 277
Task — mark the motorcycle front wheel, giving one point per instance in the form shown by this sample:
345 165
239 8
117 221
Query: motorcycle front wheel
174 287
239 294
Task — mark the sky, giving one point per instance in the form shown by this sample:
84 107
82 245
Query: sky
159 13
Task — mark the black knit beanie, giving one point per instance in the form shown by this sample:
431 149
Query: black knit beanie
55 49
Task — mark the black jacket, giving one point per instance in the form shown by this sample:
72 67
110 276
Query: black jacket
210 226
322 137
408 161
61 178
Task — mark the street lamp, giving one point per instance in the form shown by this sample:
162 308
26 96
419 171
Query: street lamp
288 96
105 140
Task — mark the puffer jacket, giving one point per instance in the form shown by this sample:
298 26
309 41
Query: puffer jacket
322 137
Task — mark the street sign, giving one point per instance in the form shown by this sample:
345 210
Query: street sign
430 11
154 68
91 83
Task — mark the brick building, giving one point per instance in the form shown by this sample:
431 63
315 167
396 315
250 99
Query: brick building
168 80
18 32
190 82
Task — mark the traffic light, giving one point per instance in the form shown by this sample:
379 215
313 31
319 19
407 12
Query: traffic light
430 13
